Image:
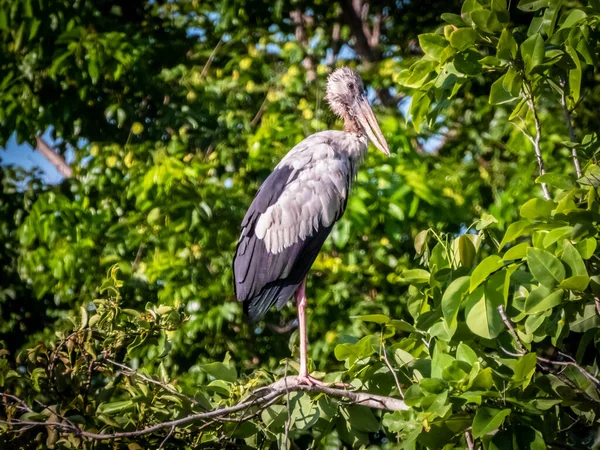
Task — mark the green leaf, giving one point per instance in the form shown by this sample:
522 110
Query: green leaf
463 38
575 75
487 420
575 283
587 247
484 269
220 371
524 369
574 260
432 44
481 310
545 267
517 252
537 208
361 418
585 320
532 52
93 70
532 5
499 95
375 318
420 241
486 20
453 19
507 46
416 276
591 176
514 230
304 413
556 180
452 298
466 250
574 17
115 407
556 234
466 354
542 299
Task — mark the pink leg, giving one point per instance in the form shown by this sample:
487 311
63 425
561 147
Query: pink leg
304 377
301 305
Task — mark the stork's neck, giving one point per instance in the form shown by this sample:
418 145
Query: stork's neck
352 126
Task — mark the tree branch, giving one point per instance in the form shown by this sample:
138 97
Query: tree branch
300 21
128 371
511 330
352 13
536 140
522 351
572 137
260 398
53 158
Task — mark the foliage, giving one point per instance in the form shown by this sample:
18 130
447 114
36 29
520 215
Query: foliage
490 334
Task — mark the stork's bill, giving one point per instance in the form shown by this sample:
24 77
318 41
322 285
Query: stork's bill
368 122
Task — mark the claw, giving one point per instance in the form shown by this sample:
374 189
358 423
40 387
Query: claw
307 380
311 381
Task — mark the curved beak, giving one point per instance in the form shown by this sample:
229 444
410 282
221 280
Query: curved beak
367 120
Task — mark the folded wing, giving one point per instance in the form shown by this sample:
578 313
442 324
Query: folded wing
288 222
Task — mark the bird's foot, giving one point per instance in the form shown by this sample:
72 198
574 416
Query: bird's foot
307 380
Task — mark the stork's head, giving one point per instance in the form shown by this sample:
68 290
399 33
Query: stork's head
347 99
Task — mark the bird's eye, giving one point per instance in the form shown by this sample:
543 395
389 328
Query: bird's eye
351 86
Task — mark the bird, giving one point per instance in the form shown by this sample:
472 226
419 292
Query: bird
297 205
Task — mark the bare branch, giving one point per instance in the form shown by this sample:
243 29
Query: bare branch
261 398
128 371
572 137
53 158
536 140
211 58
300 20
260 112
389 366
522 352
511 329
352 13
469 439
162 444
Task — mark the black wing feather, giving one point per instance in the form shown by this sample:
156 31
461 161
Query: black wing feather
257 272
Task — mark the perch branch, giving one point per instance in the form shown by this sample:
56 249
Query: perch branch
261 398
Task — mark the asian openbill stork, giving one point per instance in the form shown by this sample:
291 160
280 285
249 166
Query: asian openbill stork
297 205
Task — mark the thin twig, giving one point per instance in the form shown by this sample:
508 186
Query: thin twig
162 444
260 112
597 302
536 140
128 371
469 439
389 366
522 351
572 137
210 59
261 398
24 405
511 329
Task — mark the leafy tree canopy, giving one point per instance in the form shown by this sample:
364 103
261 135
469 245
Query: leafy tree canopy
461 285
